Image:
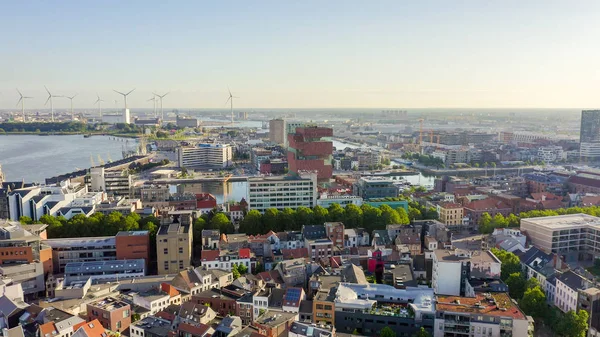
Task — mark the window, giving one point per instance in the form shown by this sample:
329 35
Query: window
180 250
166 264
119 325
166 251
125 313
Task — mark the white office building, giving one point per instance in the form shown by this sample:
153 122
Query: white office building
205 155
282 192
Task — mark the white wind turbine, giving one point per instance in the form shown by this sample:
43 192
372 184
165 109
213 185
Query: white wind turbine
99 102
22 101
50 96
71 99
230 100
124 96
153 99
162 114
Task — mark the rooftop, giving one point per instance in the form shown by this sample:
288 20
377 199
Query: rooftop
567 221
275 318
157 326
109 304
491 304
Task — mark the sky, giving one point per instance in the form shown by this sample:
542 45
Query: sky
304 54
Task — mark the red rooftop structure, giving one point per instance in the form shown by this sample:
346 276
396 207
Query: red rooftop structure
308 152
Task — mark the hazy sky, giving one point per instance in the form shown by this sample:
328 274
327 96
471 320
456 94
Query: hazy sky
396 54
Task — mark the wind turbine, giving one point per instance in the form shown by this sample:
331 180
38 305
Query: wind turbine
124 96
22 101
126 111
99 102
71 99
230 100
162 114
50 96
153 99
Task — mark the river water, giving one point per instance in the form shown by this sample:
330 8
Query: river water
33 158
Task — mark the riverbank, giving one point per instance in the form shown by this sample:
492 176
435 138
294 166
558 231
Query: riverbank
116 134
475 172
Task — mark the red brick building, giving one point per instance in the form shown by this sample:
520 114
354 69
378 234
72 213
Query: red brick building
308 152
133 245
205 201
335 232
113 314
475 209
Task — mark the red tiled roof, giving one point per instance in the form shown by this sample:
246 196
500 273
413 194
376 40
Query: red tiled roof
486 204
270 276
195 330
165 315
294 253
210 255
244 253
486 307
450 205
546 195
48 329
92 329
169 289
590 201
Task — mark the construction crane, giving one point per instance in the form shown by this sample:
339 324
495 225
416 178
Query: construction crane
431 136
100 160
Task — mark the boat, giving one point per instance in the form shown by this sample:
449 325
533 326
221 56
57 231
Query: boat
87 135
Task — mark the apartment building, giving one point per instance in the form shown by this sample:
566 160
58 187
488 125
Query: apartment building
277 131
20 246
452 269
282 192
573 236
113 314
29 276
173 248
489 314
335 232
133 245
356 237
113 182
450 213
370 308
225 260
205 155
568 285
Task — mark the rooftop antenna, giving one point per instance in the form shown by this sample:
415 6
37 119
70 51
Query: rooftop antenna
162 114
230 100
22 101
71 98
50 96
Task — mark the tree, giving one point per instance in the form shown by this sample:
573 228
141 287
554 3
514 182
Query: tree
387 332
403 215
353 216
510 262
513 220
135 317
252 223
235 272
414 213
372 218
431 214
24 219
485 223
516 285
422 333
532 283
534 302
287 218
197 228
320 214
389 215
499 221
269 221
572 324
242 269
221 221
304 216
336 213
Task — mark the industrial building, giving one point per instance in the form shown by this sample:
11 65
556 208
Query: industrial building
282 192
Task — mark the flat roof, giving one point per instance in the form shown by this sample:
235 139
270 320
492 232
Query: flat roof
491 304
460 255
567 221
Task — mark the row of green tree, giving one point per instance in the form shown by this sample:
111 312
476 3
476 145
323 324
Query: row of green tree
353 216
44 127
532 299
487 223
